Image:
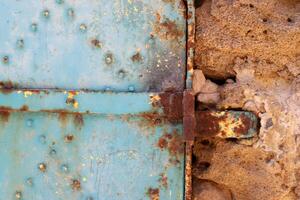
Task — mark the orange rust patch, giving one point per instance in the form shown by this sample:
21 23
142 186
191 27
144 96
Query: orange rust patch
168 30
174 143
78 120
153 193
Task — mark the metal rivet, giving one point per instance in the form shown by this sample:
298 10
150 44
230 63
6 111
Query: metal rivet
96 43
29 181
42 139
5 59
64 168
46 14
71 12
82 27
52 152
20 43
29 122
69 138
131 88
34 27
18 195
76 185
42 167
121 74
59 1
109 59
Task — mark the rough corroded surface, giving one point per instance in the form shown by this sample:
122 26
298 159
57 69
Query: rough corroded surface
258 43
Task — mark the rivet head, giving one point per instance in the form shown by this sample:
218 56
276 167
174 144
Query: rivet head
20 43
96 43
34 27
5 59
29 181
59 1
52 152
121 74
42 167
83 28
131 88
71 12
29 122
18 195
76 185
42 139
46 13
64 168
109 58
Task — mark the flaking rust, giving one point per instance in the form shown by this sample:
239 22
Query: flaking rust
226 124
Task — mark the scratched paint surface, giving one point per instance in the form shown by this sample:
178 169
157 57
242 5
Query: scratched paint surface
102 158
117 45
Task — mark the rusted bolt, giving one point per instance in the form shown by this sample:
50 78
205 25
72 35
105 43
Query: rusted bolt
64 168
5 59
109 58
42 167
46 14
69 138
121 74
18 195
29 181
76 185
20 43
59 1
34 27
137 57
83 28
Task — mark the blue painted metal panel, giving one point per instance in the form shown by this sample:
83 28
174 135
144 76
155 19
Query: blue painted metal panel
119 45
47 156
76 138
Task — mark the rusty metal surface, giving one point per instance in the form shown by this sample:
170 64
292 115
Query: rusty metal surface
226 124
117 45
67 145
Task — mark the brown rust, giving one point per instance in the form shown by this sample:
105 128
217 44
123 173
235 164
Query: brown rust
4 116
7 87
78 120
24 108
189 120
137 57
69 138
171 103
244 127
163 180
96 43
168 30
153 193
173 142
76 185
208 124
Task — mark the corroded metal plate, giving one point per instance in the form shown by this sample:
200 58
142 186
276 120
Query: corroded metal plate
118 45
57 145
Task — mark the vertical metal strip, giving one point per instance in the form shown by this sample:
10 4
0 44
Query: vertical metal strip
189 74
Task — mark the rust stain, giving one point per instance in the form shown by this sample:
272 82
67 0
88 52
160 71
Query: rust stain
171 103
24 108
7 87
137 57
153 193
69 138
78 120
76 185
163 180
62 116
96 43
4 116
244 126
173 143
168 29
